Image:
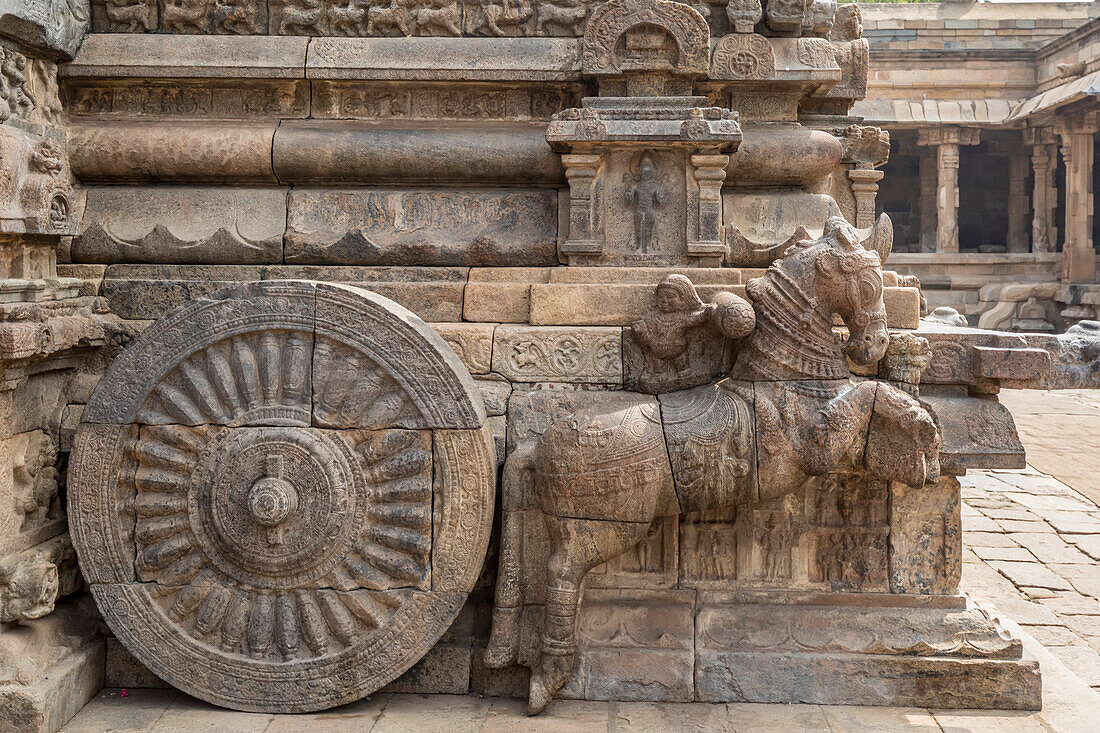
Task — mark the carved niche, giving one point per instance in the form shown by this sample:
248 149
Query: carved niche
645 160
626 34
282 485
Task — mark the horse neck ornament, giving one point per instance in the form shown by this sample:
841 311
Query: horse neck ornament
795 301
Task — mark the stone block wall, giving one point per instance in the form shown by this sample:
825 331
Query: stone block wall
957 26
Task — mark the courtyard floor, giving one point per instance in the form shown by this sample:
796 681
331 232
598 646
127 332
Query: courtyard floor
1032 552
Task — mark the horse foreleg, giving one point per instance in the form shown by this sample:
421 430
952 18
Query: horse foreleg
837 430
577 546
902 440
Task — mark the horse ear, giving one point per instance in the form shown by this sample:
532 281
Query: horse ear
828 262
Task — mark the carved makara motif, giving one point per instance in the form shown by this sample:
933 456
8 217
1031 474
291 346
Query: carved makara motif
247 492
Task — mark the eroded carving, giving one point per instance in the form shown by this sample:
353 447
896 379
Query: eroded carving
15 98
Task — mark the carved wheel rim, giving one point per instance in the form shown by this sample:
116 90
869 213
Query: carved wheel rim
288 510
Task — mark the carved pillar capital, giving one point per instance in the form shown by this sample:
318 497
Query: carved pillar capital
1038 136
948 135
1087 123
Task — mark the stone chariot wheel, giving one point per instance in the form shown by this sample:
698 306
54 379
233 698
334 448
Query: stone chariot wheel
281 494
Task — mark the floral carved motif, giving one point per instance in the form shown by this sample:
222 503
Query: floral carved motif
743 56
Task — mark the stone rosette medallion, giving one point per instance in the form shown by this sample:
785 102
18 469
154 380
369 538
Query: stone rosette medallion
281 494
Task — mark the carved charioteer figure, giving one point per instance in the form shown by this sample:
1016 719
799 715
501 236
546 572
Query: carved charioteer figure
602 478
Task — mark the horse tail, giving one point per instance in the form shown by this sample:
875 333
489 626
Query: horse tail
504 640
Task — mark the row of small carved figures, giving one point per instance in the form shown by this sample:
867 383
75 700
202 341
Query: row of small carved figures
436 17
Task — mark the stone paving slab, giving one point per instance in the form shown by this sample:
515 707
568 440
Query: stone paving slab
148 711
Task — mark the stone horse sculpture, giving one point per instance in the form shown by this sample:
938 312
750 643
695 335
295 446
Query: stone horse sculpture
603 477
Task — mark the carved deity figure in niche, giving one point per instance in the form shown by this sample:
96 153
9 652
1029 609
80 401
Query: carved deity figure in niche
664 331
645 195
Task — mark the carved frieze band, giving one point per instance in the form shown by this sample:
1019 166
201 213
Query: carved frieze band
280 99
345 18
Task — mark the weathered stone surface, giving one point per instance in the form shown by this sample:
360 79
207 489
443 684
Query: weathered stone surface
558 354
925 538
496 390
414 153
977 433
342 552
136 152
654 661
425 227
148 292
122 670
563 303
167 56
534 59
433 293
473 343
501 295
53 27
980 684
182 226
60 668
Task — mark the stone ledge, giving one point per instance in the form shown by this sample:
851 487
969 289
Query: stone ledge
122 55
435 58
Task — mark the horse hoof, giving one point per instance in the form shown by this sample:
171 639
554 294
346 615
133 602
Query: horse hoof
539 695
546 679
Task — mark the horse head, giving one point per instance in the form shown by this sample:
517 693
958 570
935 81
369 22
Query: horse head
847 281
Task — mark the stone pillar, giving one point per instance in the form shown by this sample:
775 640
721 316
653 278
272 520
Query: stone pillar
584 236
704 236
865 189
1078 255
1018 240
1044 196
947 141
928 201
